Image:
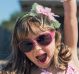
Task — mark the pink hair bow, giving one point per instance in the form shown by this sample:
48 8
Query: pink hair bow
45 11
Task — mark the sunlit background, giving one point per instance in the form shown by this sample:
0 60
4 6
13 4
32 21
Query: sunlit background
11 9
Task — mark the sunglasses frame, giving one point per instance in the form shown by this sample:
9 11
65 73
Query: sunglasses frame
51 35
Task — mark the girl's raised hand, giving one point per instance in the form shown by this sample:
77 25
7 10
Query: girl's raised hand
65 0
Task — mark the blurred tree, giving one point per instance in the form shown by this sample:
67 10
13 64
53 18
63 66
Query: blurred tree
5 34
9 24
5 43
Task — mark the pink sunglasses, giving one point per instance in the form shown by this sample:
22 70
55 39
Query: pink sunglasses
29 44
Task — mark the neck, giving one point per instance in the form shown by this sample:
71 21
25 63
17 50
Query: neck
52 69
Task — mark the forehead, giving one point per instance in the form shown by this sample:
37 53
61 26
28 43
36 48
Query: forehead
31 30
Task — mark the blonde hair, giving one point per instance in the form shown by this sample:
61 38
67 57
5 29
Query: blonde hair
22 29
62 53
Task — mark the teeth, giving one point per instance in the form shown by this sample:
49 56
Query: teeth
42 57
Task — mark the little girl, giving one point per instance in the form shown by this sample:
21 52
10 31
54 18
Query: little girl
38 47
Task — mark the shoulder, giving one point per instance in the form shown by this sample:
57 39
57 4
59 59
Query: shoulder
72 68
7 72
35 70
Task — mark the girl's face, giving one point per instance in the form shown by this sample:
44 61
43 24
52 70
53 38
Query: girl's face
40 48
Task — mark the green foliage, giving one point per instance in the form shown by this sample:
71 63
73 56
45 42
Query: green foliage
9 24
5 35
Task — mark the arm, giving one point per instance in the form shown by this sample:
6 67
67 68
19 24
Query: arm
70 26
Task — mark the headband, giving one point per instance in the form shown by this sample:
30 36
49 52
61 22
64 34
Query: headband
39 10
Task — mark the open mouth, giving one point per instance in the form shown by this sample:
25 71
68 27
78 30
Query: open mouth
42 58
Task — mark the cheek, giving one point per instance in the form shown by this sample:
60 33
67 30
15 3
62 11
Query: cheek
50 48
29 55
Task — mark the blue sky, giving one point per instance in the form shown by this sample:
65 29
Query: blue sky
7 7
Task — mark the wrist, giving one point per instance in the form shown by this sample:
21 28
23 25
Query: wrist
63 1
66 1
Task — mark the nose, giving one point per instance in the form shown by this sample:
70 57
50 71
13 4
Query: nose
37 46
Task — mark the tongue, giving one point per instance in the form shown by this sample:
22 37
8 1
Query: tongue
42 58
